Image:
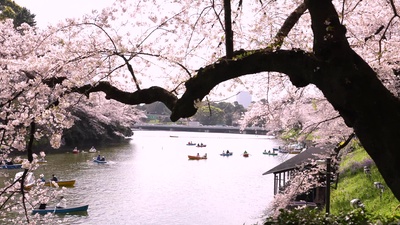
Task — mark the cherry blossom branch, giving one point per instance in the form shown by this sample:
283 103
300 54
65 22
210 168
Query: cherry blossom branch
316 125
146 96
289 23
195 25
383 37
249 62
217 14
343 144
130 69
298 64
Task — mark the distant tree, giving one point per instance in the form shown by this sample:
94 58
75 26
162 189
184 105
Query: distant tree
228 109
238 108
205 117
24 16
10 10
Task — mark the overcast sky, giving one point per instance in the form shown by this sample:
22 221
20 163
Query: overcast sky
52 11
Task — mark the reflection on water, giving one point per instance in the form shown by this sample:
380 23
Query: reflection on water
151 181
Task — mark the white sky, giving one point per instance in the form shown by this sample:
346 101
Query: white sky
52 11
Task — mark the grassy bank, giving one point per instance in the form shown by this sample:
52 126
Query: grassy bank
354 183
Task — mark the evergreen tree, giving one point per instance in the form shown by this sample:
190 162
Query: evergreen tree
20 15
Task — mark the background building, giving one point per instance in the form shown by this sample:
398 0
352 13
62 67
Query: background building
244 98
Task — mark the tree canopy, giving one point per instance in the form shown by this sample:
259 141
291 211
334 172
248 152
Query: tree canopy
178 53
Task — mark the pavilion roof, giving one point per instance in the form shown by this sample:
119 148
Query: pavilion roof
304 156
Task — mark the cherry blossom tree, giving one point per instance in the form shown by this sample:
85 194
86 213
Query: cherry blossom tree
174 52
308 116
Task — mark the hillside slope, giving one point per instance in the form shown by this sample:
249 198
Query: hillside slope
354 183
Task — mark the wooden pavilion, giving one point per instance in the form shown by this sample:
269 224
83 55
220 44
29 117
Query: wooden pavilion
284 171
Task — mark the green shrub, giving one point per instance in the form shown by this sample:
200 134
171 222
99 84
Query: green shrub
317 217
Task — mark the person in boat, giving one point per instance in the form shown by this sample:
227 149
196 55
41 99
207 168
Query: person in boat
98 158
42 160
227 151
265 151
103 158
54 178
10 162
245 152
205 155
223 152
42 206
198 155
62 203
42 178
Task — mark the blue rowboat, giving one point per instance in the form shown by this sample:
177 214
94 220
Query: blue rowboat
54 209
226 154
13 166
98 161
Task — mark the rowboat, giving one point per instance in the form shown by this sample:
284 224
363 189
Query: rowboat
75 151
99 161
190 144
192 157
54 209
245 154
295 151
42 161
269 153
296 148
12 166
226 154
283 150
65 183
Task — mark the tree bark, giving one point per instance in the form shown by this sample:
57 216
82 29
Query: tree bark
354 89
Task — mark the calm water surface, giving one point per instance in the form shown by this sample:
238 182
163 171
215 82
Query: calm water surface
151 181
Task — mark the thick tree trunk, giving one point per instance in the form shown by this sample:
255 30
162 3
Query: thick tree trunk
367 106
353 88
